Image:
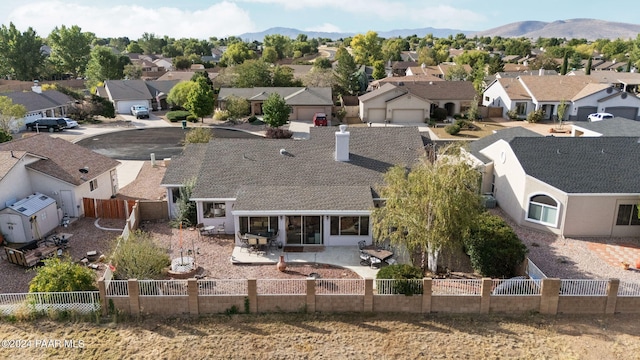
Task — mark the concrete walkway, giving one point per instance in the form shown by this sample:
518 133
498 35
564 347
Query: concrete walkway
347 257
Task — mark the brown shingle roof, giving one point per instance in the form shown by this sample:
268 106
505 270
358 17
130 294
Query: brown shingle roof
8 159
514 89
62 158
555 88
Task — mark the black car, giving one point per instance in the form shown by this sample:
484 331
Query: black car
49 124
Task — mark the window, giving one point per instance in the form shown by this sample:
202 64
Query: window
349 225
213 209
521 108
627 215
93 184
259 224
543 209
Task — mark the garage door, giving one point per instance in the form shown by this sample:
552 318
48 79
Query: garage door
377 115
408 116
124 106
584 111
306 113
626 112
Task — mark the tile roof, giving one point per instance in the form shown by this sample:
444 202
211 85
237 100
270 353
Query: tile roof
594 165
223 166
300 198
613 127
507 135
33 101
62 159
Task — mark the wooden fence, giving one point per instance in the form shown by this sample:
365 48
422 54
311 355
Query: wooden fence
107 208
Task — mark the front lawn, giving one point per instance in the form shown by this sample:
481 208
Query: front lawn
483 128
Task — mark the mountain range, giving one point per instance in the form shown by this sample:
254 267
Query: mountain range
590 29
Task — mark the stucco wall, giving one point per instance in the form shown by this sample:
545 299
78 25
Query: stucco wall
16 184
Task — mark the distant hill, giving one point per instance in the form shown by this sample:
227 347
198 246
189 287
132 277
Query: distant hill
293 33
590 29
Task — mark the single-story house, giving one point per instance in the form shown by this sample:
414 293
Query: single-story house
126 93
414 102
582 94
314 192
588 186
57 168
39 104
304 101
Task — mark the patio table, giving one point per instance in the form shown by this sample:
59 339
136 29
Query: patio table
379 254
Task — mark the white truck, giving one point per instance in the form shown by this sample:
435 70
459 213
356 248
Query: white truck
140 111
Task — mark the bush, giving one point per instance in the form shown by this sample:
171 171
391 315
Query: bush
5 136
534 116
494 247
512 114
252 118
439 114
192 118
179 115
401 273
221 115
200 135
59 275
452 129
139 257
278 133
462 123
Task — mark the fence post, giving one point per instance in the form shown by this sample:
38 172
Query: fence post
485 300
252 291
549 296
134 297
427 286
102 288
368 295
192 291
612 296
311 295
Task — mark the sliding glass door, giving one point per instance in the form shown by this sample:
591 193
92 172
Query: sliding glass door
304 230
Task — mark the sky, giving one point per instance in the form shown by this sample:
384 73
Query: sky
203 19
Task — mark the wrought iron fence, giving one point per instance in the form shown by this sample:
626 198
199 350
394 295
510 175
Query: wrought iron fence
163 287
117 288
462 287
282 287
628 288
583 287
396 287
222 287
340 286
516 287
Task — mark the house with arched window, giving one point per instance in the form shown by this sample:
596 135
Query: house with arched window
587 186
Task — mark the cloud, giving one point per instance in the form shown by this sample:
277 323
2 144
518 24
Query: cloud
326 27
220 20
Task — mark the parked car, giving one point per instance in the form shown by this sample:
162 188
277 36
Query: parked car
320 119
49 124
600 116
140 111
71 123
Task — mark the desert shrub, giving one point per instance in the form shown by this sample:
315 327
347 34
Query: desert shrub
452 129
198 135
462 123
5 136
192 118
139 257
177 115
494 247
402 273
512 114
439 114
221 115
278 133
534 116
62 274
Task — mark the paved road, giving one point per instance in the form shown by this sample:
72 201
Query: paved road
138 144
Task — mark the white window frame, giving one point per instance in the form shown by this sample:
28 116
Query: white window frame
93 185
544 206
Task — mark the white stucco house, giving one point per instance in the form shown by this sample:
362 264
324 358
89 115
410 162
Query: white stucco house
57 168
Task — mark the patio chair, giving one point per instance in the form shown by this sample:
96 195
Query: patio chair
273 240
244 241
365 260
362 244
375 262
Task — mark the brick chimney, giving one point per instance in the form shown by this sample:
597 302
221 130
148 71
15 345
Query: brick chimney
342 144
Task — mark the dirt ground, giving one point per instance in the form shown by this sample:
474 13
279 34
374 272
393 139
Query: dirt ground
324 336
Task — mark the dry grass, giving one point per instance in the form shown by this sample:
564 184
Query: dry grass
340 336
484 128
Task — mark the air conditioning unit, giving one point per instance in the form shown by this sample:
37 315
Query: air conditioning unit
489 201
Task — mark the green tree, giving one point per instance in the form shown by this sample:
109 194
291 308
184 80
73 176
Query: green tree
252 73
236 53
494 248
200 99
367 48
151 44
139 257
565 64
134 48
322 63
20 54
269 55
276 110
379 71
237 107
428 208
182 63
319 78
178 94
10 114
456 73
345 73
105 65
562 109
70 49
282 76
132 71
496 65
280 43
392 49
62 275
5 136
587 71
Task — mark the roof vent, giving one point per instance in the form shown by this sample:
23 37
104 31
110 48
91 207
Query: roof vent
283 151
